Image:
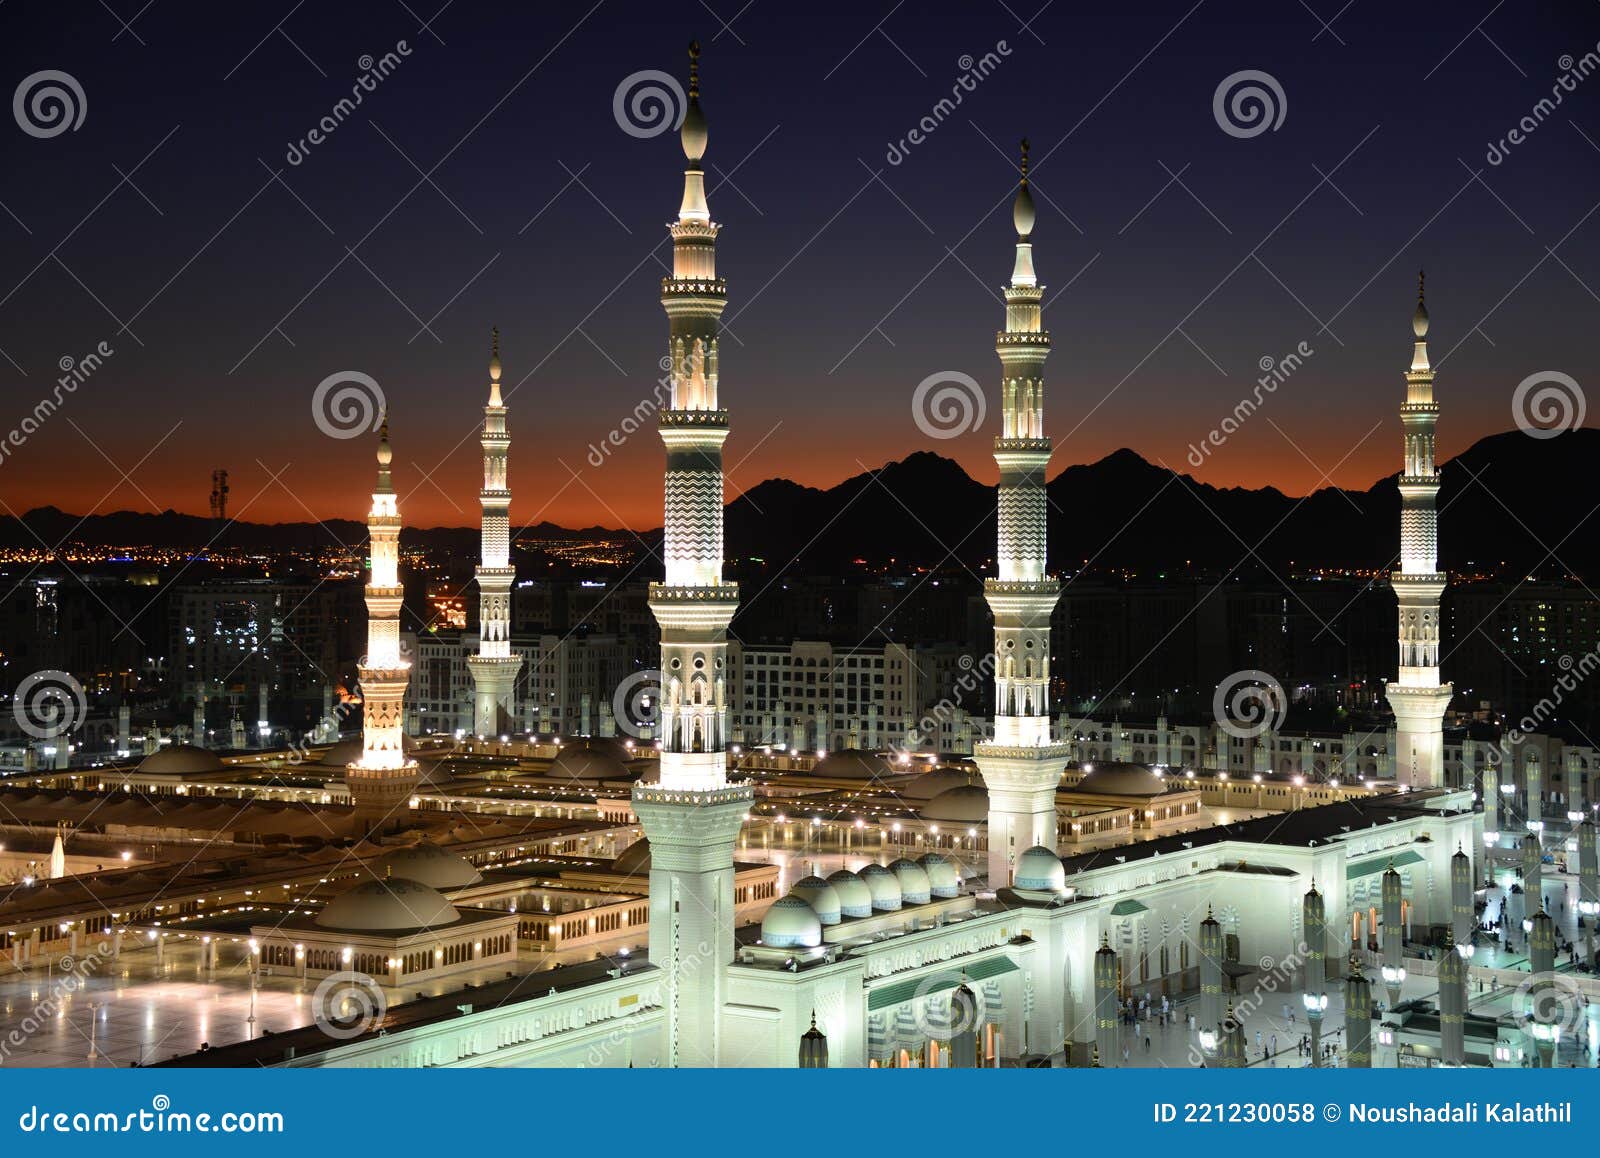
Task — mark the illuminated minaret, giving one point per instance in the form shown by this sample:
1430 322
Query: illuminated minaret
381 781
692 815
1418 698
494 668
1021 767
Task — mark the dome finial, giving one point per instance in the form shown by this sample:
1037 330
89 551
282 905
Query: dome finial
694 69
1024 160
494 354
693 132
1419 320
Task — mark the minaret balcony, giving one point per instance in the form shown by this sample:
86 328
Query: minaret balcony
1010 339
694 287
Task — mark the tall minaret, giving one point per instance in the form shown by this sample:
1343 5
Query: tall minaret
494 668
1418 698
692 816
381 781
1021 768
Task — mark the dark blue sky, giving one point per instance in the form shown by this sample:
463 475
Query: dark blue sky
1191 253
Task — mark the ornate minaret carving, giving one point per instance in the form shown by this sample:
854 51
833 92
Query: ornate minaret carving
1022 767
381 782
1417 697
494 668
692 816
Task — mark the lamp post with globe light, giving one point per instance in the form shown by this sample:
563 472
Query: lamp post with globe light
1542 1010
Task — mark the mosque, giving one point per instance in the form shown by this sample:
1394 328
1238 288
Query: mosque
693 905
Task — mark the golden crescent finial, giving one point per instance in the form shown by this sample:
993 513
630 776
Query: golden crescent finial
694 69
1024 160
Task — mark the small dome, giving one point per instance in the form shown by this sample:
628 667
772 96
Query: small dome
967 804
390 906
1115 778
821 896
428 864
852 764
913 880
634 860
883 886
929 784
1040 870
588 762
181 760
855 899
791 924
944 877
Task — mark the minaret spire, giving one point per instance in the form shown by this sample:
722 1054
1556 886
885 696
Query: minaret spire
494 668
1021 767
1417 696
693 814
381 781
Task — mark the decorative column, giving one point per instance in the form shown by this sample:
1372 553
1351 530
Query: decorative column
1588 885
1452 1004
1532 872
1211 953
693 814
1463 917
813 1047
381 782
494 668
1394 970
1417 697
1105 1002
1357 1017
1316 979
1022 766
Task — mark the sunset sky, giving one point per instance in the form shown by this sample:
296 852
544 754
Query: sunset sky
1177 256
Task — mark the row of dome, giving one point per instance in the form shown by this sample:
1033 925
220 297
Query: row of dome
796 921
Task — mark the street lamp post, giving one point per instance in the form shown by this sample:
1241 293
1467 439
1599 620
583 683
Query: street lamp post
1543 1010
1357 1017
1452 1004
1394 971
1588 885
